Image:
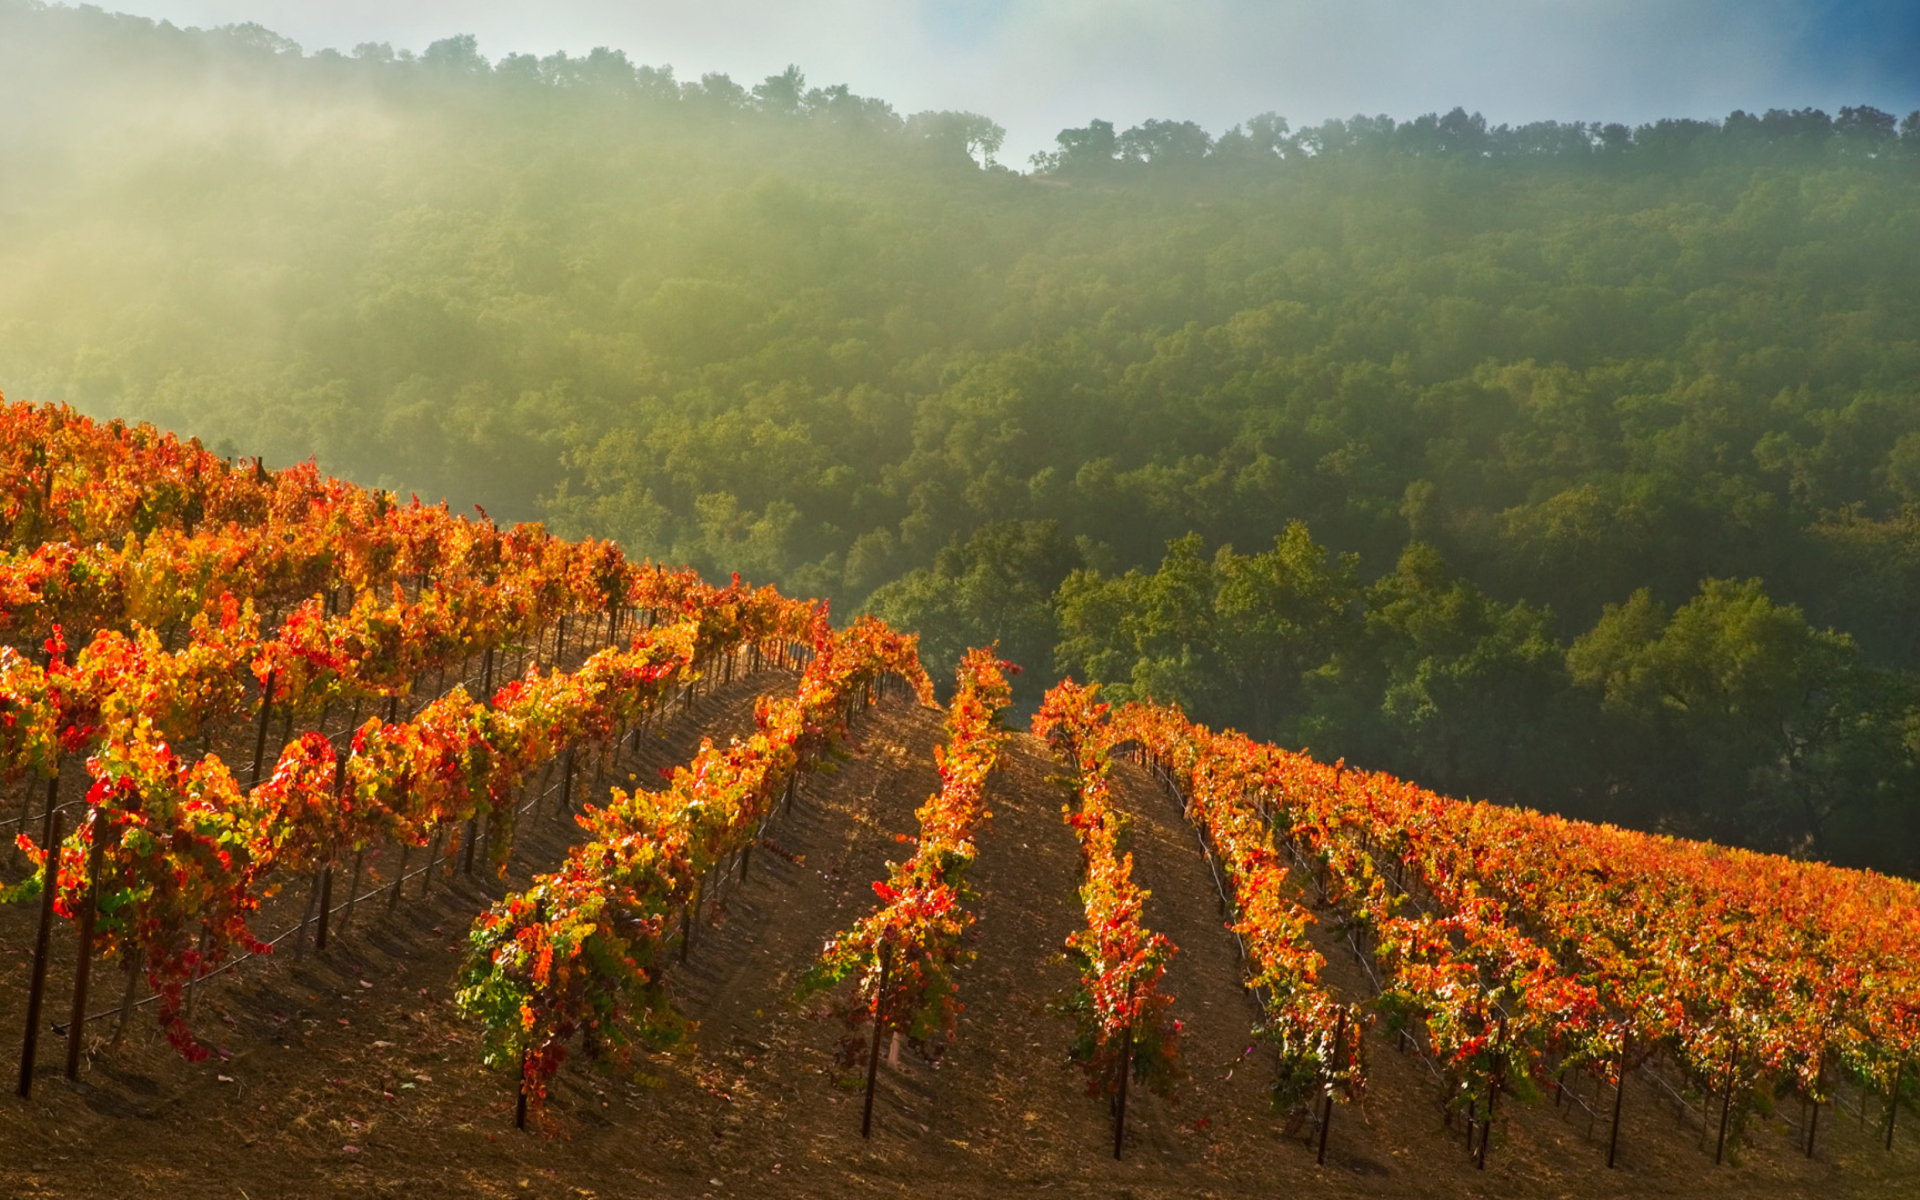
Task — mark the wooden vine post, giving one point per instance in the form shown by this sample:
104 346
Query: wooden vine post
191 979
879 1030
132 969
325 906
471 839
326 871
686 921
1619 1090
353 886
399 876
77 1020
1893 1100
306 917
37 987
26 809
1326 1110
1813 1121
260 736
520 1106
1493 1092
1126 1071
1726 1103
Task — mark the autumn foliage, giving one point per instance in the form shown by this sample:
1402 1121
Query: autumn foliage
913 940
1120 1010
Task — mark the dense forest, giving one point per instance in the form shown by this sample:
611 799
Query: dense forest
1568 464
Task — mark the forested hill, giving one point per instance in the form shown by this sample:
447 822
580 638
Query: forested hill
1569 464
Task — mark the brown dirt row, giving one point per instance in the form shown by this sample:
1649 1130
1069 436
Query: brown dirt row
349 1075
1397 1143
314 1053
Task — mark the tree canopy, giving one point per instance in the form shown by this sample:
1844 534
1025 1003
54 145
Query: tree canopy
1569 463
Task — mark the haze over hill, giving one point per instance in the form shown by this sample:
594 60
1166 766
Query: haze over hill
1038 65
1604 441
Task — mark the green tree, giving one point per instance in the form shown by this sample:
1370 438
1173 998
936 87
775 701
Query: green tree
787 332
997 585
1281 618
1468 688
1753 725
1234 637
1148 637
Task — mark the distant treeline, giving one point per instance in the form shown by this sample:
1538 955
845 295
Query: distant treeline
259 55
1857 132
1803 134
1568 464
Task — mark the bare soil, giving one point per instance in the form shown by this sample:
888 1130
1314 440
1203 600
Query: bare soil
348 1073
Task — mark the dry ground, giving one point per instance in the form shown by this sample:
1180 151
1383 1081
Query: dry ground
349 1075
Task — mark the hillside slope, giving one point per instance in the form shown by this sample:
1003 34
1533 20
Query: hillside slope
349 1075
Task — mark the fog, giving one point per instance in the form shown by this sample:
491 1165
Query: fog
1039 66
1459 441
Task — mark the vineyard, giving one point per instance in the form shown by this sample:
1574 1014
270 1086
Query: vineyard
357 846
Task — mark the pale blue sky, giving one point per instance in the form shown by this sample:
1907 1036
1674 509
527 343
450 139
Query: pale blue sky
1038 65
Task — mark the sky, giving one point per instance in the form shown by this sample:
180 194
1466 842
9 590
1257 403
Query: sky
1037 66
